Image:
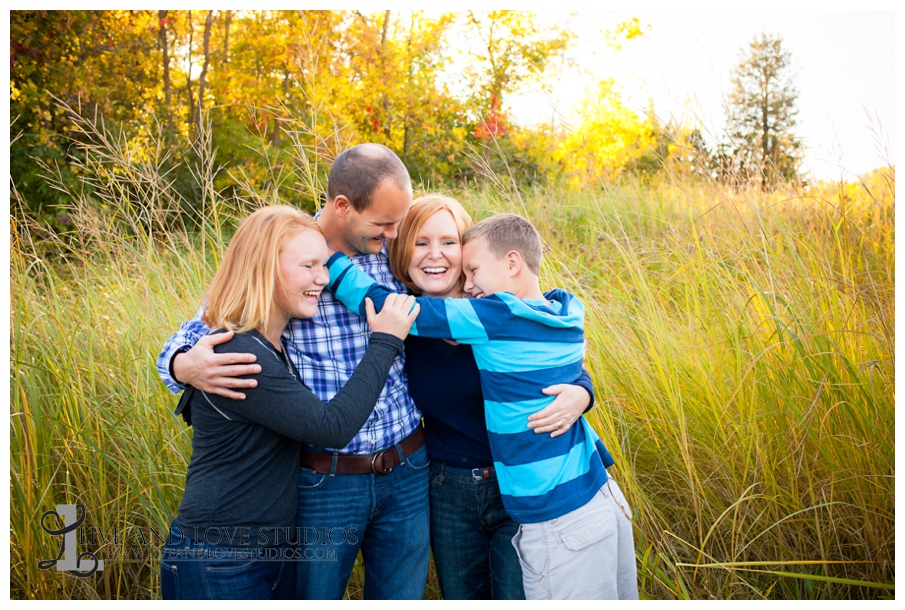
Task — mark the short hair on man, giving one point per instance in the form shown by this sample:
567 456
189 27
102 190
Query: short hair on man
358 171
507 232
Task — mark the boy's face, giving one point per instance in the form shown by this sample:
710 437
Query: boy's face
484 272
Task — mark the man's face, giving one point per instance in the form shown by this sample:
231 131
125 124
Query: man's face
367 231
485 273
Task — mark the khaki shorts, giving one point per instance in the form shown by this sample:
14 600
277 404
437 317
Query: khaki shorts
585 554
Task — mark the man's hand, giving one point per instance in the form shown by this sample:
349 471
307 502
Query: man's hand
557 417
215 373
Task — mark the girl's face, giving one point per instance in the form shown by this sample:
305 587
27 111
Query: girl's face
304 273
436 264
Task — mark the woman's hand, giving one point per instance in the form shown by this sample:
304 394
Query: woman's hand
557 417
396 318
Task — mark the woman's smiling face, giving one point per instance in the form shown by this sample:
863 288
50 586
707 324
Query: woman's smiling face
303 261
436 264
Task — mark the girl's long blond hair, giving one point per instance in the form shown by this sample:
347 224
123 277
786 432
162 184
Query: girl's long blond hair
241 295
400 249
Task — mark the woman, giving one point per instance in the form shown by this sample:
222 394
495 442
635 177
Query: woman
236 522
471 534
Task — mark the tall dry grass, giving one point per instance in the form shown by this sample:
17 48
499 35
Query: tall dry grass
741 345
742 348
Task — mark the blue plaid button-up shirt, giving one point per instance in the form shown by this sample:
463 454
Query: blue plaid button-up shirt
326 349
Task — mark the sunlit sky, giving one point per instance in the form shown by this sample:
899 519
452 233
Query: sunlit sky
842 61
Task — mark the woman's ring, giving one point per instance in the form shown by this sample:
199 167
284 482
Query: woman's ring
559 424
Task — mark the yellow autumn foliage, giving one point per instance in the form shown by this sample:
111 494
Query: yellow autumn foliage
607 137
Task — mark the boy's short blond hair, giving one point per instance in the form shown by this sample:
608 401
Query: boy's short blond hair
507 232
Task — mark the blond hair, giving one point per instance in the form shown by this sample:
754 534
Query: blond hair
241 295
400 249
507 232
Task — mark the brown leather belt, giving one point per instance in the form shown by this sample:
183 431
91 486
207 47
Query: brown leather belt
381 462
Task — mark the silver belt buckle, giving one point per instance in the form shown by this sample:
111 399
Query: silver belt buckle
374 463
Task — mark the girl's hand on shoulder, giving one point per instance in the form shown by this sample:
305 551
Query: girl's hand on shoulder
396 318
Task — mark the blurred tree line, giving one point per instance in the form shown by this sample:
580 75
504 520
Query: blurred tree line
278 93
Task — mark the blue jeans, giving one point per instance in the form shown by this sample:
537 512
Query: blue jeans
386 516
471 536
199 570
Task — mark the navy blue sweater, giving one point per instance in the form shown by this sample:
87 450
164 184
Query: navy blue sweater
446 387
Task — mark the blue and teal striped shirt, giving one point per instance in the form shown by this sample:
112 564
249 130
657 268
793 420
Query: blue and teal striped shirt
521 347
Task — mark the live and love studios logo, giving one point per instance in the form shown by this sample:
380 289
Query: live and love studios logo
308 543
68 558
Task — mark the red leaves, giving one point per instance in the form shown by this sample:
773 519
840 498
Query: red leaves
494 123
375 124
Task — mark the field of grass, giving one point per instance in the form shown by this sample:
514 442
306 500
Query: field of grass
741 345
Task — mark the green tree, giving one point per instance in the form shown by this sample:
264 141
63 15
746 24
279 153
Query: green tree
509 48
762 114
396 95
282 92
269 92
101 63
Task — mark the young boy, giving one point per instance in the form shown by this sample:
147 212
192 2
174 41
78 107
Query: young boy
575 538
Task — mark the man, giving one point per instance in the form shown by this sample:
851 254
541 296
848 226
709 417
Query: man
371 494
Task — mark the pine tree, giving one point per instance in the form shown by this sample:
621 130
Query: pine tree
762 114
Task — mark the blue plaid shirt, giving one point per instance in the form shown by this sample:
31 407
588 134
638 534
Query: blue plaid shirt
326 349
